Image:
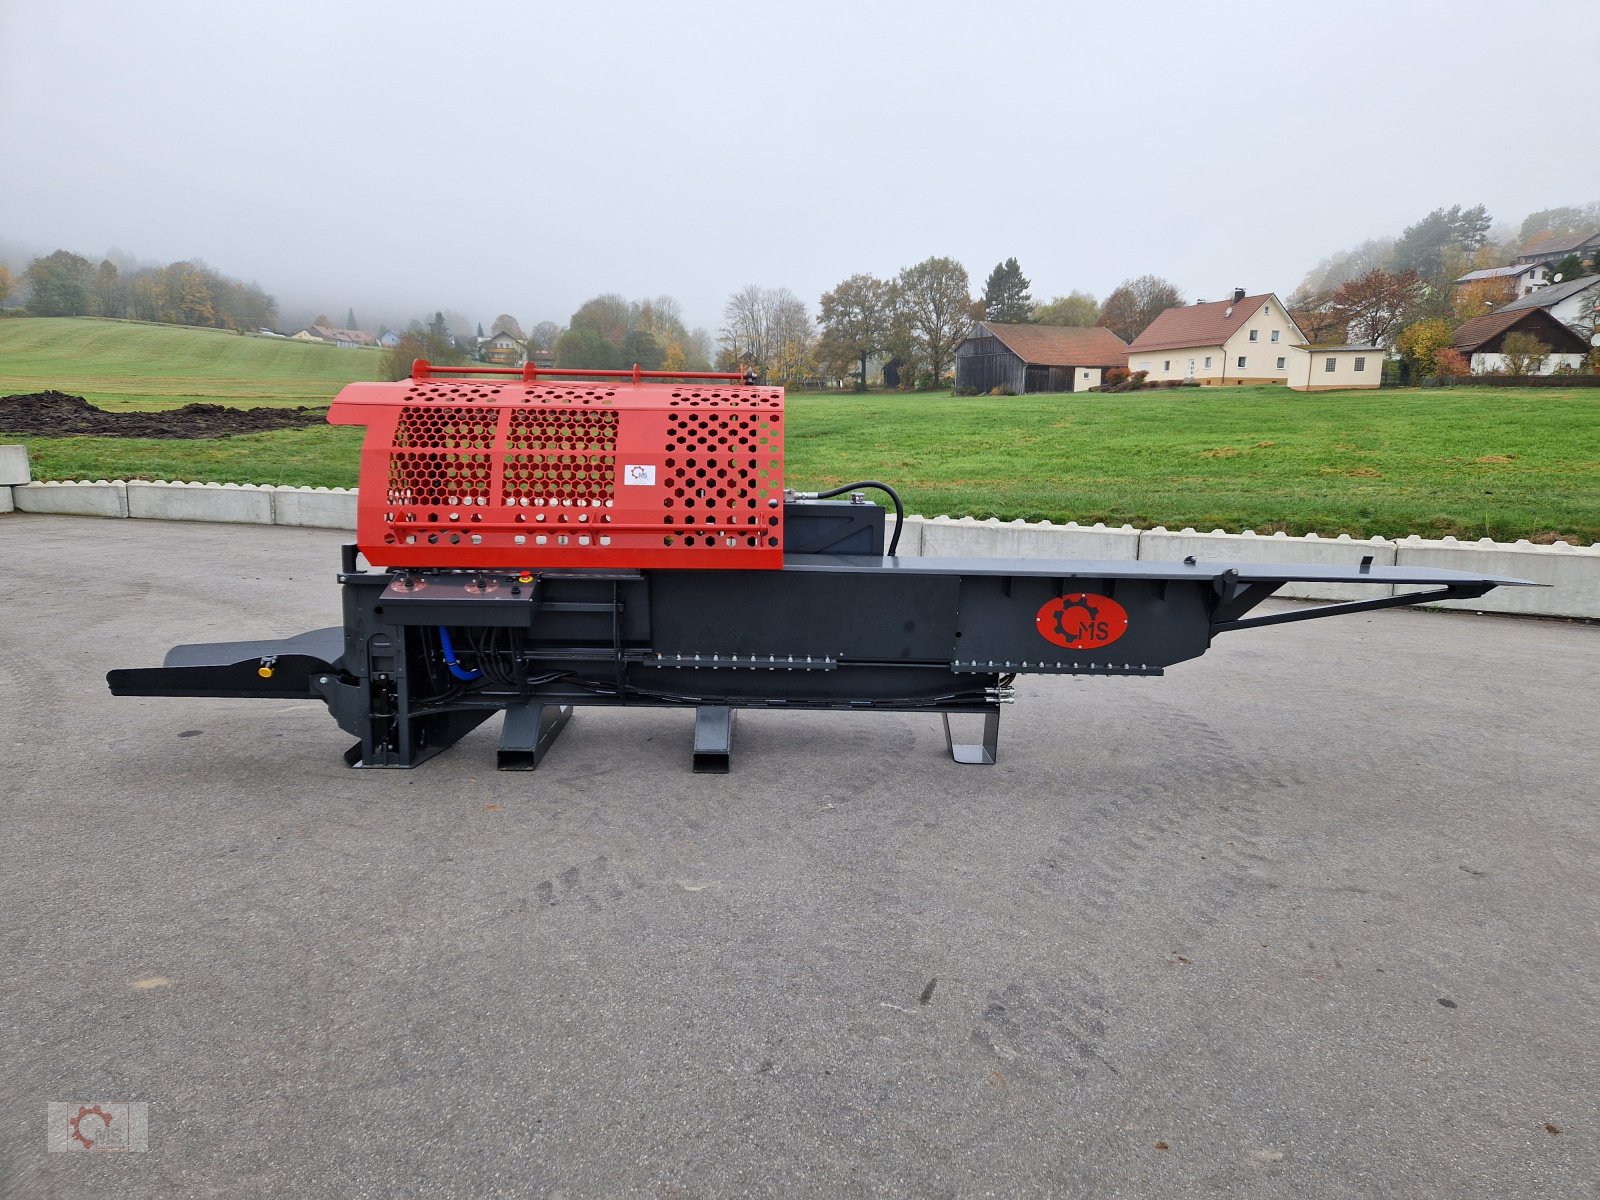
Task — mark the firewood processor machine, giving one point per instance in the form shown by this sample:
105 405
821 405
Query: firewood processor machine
535 540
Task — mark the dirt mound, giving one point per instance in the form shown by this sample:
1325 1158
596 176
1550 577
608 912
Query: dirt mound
56 414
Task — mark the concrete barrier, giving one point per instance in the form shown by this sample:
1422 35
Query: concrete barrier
910 537
1162 545
14 466
1573 573
315 508
228 502
963 537
101 498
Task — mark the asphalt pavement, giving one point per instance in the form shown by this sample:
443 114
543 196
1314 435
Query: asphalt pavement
1317 915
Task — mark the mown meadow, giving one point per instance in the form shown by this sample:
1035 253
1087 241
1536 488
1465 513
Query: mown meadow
1473 462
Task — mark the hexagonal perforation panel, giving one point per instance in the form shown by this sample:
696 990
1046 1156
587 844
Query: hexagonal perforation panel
723 474
465 473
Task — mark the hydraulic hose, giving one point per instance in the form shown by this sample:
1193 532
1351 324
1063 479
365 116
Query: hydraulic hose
456 668
899 509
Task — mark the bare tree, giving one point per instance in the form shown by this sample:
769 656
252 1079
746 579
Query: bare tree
1135 303
506 323
544 336
744 332
935 300
768 331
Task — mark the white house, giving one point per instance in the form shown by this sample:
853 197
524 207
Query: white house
1244 340
1524 277
1571 302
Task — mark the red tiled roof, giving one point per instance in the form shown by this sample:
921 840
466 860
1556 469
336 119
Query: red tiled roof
1200 324
1062 345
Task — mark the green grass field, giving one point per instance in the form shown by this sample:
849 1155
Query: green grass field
127 364
1472 462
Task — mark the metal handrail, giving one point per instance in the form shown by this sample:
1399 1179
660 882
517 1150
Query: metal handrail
421 368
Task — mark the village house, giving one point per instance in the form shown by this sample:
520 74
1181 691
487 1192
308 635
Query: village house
1223 343
1036 358
345 339
1521 278
1553 247
503 350
1482 339
1245 340
1572 302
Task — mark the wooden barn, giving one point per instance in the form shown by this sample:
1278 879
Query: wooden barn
1482 339
1037 358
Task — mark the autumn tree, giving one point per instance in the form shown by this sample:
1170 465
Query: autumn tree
1373 308
438 349
608 316
855 319
1479 296
1419 345
901 345
1135 303
1079 309
611 332
935 298
1568 220
1005 295
58 285
506 323
105 294
1312 312
1523 354
7 284
1450 363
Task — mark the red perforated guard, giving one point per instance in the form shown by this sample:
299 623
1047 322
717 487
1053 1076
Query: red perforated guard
476 473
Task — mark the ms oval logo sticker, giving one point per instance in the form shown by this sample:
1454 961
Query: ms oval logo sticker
1082 621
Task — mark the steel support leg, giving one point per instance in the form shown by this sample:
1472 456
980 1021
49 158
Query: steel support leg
528 734
713 739
977 754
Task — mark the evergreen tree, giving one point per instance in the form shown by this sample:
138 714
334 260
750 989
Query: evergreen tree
1005 295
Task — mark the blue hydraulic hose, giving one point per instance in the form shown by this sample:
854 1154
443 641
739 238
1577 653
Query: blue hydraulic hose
456 668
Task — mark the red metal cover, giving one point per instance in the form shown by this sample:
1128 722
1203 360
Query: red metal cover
605 472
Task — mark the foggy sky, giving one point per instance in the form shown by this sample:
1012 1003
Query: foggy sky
403 157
